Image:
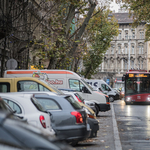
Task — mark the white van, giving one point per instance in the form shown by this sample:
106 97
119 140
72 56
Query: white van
101 85
69 80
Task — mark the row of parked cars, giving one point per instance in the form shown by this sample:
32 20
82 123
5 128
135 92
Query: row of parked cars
56 119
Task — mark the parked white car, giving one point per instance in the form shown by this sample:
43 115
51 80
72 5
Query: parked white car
27 107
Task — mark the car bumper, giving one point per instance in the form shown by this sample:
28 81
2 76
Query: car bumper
94 125
78 132
104 107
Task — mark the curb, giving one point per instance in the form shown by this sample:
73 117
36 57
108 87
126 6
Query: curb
115 128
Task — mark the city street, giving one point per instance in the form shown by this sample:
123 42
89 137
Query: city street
132 131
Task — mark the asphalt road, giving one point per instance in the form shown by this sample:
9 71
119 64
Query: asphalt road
124 127
133 125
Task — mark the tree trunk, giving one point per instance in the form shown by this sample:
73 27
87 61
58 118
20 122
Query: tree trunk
3 57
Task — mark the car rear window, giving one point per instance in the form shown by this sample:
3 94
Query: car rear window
73 102
37 104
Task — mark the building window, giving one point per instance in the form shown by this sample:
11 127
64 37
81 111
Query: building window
125 64
133 34
120 35
126 34
141 34
132 49
112 49
141 49
119 49
141 64
126 49
132 63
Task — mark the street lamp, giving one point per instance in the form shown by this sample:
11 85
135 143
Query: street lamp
129 55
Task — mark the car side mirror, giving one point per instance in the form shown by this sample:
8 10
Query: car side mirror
123 78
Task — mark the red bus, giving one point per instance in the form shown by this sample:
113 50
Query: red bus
137 87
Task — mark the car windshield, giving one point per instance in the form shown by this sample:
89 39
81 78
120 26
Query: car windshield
54 88
73 102
76 94
87 85
137 85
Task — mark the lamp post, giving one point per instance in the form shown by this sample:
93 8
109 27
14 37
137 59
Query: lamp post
129 56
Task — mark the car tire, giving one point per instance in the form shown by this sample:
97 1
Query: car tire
111 98
74 143
97 110
127 103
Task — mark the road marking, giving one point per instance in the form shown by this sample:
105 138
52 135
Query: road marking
116 133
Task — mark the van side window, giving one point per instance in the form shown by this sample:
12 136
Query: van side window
42 88
105 87
27 86
13 105
75 85
4 87
30 86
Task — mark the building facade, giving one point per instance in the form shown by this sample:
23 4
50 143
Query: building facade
127 51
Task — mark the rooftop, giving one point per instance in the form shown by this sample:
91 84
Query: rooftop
123 18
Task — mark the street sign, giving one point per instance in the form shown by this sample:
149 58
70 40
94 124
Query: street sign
11 64
107 81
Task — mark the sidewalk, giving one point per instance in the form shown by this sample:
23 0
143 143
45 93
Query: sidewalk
105 137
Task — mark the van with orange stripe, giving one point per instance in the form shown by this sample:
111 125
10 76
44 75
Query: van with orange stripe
65 79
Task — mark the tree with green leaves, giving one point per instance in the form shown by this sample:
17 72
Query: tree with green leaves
140 10
100 32
59 45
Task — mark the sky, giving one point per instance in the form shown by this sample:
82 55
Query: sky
114 6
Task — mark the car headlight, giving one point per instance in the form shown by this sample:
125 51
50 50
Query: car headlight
148 99
128 99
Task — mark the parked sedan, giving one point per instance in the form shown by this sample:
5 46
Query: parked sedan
79 98
68 118
17 135
29 108
93 122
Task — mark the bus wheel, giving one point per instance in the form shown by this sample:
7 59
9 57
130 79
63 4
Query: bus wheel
127 103
111 98
97 110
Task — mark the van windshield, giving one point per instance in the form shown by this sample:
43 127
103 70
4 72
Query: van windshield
87 85
54 88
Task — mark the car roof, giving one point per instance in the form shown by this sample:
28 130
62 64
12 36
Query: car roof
34 92
15 95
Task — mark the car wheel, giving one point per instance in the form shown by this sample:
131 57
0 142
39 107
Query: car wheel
97 110
111 98
74 143
127 103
